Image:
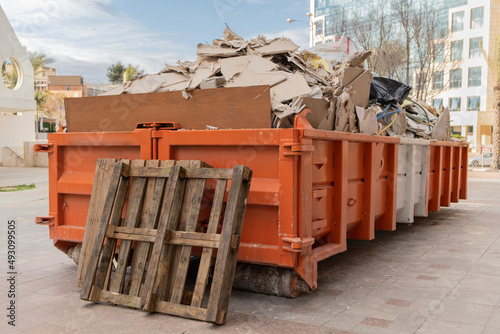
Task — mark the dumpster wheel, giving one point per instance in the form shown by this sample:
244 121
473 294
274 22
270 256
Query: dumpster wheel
276 281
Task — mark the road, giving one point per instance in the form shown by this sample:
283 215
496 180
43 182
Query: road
438 275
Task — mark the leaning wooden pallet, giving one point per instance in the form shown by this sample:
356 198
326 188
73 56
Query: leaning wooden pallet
104 169
161 219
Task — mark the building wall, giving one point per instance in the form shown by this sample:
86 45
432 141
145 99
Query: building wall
15 130
67 91
42 76
17 106
465 118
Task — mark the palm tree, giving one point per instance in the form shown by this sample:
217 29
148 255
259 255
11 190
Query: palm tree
38 61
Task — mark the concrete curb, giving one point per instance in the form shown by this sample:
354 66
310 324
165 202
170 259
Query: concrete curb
488 170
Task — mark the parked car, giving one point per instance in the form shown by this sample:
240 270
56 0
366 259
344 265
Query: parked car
482 160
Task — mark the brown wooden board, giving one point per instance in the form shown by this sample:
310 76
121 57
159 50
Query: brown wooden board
224 108
103 170
157 234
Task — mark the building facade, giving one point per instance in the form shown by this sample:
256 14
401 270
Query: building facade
42 77
465 82
468 82
68 85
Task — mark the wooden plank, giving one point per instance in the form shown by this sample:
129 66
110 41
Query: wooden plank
134 237
149 219
191 236
168 220
235 108
135 197
119 299
181 310
193 196
191 173
109 209
132 230
165 291
107 253
177 238
225 263
103 170
206 255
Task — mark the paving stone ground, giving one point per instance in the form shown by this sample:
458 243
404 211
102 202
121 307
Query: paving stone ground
438 275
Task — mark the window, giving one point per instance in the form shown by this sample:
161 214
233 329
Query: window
474 76
455 104
439 52
456 78
456 130
473 103
319 24
68 87
437 80
476 45
470 130
437 103
477 17
457 21
457 50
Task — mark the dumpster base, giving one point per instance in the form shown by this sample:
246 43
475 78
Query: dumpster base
277 281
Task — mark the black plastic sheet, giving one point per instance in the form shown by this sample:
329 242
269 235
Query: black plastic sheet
388 91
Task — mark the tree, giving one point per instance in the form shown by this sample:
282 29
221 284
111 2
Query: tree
404 10
38 61
115 73
131 72
118 73
40 98
9 74
53 106
375 33
494 65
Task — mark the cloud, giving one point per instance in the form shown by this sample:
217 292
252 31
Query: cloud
85 37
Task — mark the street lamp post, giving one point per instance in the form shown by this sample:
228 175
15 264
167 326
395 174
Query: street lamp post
310 24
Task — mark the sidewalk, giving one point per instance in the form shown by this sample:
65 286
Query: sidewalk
439 275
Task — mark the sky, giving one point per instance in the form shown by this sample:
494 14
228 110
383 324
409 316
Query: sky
85 37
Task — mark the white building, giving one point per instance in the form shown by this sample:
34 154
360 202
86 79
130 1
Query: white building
17 105
467 81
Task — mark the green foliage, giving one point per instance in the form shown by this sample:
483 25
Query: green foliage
115 73
40 98
10 76
118 73
38 61
131 72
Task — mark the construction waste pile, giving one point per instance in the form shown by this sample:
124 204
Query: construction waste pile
341 94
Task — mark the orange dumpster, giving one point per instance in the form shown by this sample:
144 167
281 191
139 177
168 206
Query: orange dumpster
311 190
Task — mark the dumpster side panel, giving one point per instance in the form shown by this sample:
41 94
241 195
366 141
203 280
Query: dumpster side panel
447 174
271 216
412 178
72 160
364 182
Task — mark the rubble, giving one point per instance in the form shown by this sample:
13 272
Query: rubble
328 79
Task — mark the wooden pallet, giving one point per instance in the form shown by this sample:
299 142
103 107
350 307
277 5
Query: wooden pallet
102 176
161 222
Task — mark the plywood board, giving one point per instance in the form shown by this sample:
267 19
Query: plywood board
224 108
